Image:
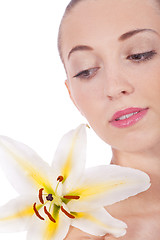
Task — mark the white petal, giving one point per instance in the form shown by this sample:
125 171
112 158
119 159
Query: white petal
70 157
105 185
26 171
99 222
47 230
16 214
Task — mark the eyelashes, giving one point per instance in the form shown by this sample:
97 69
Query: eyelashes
140 57
88 73
135 58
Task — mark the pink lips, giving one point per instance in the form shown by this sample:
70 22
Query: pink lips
128 117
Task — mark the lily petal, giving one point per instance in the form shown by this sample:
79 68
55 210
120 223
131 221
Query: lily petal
99 222
49 230
110 184
26 171
16 214
69 160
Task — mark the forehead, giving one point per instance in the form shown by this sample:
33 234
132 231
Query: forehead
92 21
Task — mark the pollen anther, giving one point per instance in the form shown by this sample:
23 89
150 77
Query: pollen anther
72 197
49 215
49 197
60 178
66 213
40 195
36 212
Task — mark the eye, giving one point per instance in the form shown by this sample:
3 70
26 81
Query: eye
140 57
87 74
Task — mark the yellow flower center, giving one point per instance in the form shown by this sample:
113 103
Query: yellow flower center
55 200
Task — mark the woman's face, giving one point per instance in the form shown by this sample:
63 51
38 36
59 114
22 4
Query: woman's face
111 51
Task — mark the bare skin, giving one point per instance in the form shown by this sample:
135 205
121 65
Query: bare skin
118 81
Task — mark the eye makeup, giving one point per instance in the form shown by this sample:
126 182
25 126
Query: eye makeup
141 57
87 74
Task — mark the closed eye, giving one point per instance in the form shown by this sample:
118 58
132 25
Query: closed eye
140 57
87 74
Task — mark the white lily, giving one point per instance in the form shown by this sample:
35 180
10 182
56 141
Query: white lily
53 198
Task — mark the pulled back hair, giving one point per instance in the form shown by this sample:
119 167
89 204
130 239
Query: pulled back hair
72 4
69 7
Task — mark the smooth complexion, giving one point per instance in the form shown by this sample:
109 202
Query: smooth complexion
111 51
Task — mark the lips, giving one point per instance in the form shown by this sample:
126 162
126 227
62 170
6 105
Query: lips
128 117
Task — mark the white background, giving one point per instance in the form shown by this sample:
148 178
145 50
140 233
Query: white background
34 104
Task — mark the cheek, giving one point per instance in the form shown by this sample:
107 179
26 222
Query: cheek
150 87
88 97
92 105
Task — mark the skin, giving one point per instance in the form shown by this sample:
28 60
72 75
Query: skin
117 81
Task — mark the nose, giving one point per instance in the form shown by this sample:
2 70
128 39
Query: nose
117 85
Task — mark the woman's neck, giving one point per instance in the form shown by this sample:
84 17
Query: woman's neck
149 163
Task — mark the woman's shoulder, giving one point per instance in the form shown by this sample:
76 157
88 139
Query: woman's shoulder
141 227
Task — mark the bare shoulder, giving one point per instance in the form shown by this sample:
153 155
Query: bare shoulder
141 228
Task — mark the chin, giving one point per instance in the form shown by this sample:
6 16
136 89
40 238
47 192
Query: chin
137 143
139 139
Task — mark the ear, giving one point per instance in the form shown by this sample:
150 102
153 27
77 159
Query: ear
68 88
69 91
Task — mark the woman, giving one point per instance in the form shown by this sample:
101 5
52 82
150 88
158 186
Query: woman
111 53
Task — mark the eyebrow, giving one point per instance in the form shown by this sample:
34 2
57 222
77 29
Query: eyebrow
80 48
123 37
129 34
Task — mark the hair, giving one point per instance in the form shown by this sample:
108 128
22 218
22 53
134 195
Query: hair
68 9
72 4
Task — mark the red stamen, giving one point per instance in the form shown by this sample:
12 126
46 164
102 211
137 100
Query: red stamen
40 195
72 197
49 215
67 214
36 212
60 179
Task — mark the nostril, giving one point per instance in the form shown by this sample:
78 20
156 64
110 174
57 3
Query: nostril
117 95
110 97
